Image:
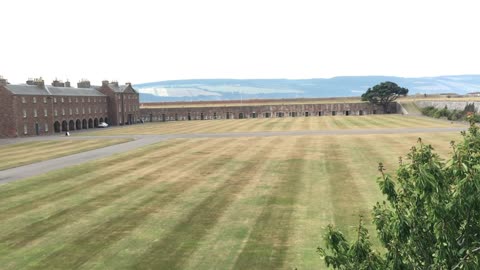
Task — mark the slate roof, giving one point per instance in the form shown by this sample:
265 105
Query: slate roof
119 88
71 91
25 89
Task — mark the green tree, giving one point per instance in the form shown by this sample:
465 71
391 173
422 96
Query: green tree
383 94
431 216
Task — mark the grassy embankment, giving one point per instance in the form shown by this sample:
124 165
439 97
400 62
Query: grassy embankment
226 203
14 155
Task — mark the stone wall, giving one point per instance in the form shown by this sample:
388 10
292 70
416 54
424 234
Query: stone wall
259 111
451 105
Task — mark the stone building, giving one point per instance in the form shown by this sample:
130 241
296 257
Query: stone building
259 111
37 109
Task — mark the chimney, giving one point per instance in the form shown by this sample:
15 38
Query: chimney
39 82
104 83
58 83
115 83
30 82
67 84
84 84
3 81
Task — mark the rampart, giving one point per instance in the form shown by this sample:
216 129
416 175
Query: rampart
451 105
185 112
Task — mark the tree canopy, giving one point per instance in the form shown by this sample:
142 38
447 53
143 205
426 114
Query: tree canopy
384 93
431 216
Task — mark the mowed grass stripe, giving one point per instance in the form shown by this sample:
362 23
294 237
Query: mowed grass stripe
59 184
27 153
340 182
80 250
165 220
231 231
173 250
278 124
267 244
136 180
120 220
51 149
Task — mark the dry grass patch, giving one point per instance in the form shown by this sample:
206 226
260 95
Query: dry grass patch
277 124
226 203
14 155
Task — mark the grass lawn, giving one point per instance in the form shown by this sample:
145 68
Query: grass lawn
276 124
225 203
14 155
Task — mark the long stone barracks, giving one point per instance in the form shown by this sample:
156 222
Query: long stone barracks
182 111
34 108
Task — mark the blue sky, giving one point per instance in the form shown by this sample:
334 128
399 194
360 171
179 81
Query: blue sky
142 41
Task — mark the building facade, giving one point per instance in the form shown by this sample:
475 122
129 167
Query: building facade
259 111
34 108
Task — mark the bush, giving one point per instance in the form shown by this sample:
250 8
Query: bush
455 115
431 216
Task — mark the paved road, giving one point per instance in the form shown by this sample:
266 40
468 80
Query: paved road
18 173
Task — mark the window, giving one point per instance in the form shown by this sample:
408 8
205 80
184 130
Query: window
46 127
45 112
95 109
44 99
94 100
34 112
83 100
88 100
89 110
83 110
76 110
55 112
25 129
76 99
63 100
54 100
120 108
70 111
23 100
24 113
34 99
69 100
63 111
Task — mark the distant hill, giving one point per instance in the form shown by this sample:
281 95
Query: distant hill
226 89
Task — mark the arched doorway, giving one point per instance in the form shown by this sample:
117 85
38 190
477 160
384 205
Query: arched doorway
90 123
71 125
64 126
101 120
240 116
106 120
78 124
84 124
95 122
56 127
